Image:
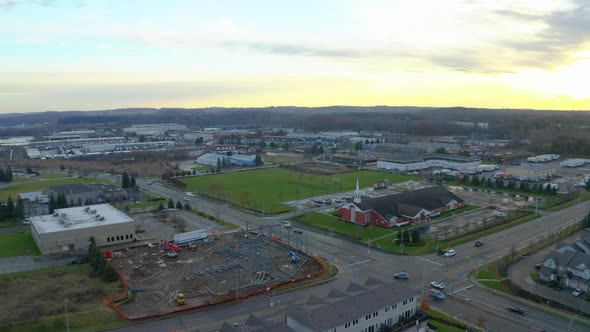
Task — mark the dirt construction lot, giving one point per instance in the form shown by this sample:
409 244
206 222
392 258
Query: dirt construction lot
209 273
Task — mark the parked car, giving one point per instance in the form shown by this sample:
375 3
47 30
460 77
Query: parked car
27 221
171 254
577 292
500 214
437 295
298 231
450 253
328 202
516 309
478 244
437 284
287 225
401 275
441 252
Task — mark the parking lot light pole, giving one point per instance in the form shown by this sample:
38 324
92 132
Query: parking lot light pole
67 319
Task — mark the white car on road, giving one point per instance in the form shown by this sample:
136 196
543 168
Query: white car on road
437 284
450 253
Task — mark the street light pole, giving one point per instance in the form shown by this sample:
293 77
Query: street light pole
67 319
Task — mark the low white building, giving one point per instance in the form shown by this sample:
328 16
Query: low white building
358 308
71 228
406 163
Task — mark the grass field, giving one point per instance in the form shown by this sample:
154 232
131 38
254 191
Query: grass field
41 308
18 244
8 223
265 189
353 231
40 185
442 327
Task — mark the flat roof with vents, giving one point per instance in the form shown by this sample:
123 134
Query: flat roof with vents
79 217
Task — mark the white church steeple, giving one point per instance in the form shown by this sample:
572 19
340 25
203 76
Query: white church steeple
357 193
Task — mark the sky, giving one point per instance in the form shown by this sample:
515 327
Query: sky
89 55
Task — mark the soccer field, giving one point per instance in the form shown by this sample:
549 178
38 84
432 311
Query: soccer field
266 189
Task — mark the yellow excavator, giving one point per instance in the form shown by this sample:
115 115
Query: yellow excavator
180 300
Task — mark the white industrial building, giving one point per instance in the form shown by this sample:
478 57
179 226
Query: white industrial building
543 158
71 228
211 159
575 162
406 163
154 129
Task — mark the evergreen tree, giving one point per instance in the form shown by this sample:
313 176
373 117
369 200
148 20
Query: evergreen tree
415 235
170 203
522 186
406 236
218 165
321 149
10 207
3 176
52 204
125 180
8 174
489 183
160 207
132 183
465 179
258 160
19 210
179 205
398 236
109 273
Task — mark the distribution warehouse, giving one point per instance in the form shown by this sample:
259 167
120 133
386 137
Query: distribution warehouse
70 229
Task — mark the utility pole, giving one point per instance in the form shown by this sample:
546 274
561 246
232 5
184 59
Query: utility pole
67 319
236 284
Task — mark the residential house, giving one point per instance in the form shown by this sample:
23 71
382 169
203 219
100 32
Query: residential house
358 308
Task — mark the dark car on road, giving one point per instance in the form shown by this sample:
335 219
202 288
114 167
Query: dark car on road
516 309
441 252
478 244
401 275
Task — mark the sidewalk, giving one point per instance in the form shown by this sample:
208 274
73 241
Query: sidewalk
519 275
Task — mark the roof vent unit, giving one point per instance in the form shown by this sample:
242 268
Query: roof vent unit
92 211
97 216
86 209
56 214
101 219
63 215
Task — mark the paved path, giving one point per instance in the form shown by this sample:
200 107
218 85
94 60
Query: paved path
28 263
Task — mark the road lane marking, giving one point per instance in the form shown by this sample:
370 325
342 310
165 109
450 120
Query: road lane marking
357 263
461 289
428 260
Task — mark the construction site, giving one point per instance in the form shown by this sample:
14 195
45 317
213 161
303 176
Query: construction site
165 278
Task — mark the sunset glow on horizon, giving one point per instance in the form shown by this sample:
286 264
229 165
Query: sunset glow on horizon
88 55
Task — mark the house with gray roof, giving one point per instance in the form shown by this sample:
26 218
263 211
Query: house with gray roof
358 308
569 267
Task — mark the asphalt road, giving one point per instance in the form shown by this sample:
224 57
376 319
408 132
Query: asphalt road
466 300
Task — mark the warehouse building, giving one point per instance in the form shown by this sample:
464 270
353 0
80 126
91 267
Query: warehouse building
405 163
70 229
78 193
235 159
532 171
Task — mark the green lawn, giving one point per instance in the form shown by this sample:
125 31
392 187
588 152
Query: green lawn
353 231
464 209
265 189
40 185
8 222
17 244
442 327
203 168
